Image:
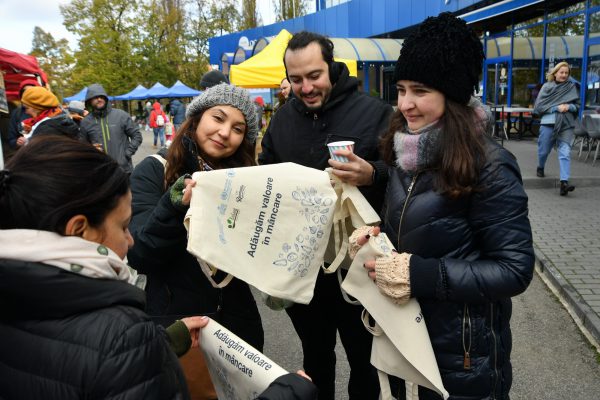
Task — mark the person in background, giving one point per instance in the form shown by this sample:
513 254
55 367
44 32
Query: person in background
77 111
147 111
557 104
285 88
450 182
259 104
326 107
177 111
140 115
283 94
47 117
15 127
109 128
212 78
158 119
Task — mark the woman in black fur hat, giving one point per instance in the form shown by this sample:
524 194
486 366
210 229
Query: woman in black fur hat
456 211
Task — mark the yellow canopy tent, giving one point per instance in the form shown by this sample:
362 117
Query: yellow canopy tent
265 69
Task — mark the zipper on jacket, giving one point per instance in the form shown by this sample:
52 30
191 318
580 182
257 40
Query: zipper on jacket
495 351
466 334
105 133
220 302
315 118
408 192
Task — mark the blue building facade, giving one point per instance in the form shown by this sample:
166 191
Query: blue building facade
522 39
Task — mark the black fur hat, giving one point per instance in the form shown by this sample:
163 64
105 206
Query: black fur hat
445 54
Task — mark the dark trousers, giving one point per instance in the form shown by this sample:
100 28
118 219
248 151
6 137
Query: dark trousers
317 323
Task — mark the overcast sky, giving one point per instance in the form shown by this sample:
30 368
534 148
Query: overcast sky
19 17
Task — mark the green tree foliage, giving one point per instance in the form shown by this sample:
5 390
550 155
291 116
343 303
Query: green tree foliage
206 19
108 33
122 43
55 58
162 46
288 9
250 18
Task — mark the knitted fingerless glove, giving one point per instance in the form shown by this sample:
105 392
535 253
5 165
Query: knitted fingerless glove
352 240
392 276
176 192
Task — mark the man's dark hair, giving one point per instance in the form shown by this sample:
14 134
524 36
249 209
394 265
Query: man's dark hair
302 39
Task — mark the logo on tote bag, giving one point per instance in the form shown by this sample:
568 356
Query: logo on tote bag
239 195
232 218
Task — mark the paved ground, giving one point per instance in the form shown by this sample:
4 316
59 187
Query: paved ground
566 230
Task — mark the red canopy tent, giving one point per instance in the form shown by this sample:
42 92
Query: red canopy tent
17 67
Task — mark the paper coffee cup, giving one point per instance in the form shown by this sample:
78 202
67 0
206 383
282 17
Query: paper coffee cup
344 145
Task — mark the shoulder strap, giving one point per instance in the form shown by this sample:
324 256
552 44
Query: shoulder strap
208 270
161 159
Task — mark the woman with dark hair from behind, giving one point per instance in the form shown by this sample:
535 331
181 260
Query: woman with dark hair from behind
70 303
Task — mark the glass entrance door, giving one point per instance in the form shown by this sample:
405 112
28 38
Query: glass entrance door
592 93
497 80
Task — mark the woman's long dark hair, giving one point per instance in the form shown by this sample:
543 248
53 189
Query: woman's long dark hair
243 157
54 178
460 149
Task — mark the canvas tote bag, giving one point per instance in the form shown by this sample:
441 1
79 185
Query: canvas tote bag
267 225
352 210
238 370
401 345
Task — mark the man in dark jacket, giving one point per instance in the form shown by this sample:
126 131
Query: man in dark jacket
327 107
212 78
177 112
112 129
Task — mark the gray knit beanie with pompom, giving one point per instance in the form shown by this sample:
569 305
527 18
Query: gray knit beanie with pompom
224 94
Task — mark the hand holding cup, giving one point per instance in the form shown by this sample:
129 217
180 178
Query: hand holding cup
343 145
349 167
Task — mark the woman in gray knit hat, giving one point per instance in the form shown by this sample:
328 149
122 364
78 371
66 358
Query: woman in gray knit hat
219 132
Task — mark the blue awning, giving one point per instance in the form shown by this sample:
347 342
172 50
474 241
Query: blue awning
139 93
158 91
79 96
181 90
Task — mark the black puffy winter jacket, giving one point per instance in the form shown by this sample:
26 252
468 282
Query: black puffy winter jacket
66 336
470 256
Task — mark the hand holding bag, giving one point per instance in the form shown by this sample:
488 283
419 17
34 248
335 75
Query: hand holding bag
352 210
238 370
401 345
267 225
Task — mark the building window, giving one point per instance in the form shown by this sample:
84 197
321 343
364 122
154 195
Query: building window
527 64
564 42
497 50
580 6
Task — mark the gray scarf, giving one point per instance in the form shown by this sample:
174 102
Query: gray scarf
417 150
552 95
